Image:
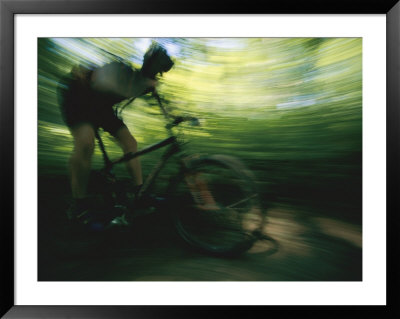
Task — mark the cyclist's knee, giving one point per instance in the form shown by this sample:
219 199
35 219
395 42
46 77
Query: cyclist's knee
84 148
83 141
126 140
131 145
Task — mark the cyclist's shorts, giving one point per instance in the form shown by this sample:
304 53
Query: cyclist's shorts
79 104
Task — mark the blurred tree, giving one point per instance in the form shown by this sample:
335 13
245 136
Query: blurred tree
290 107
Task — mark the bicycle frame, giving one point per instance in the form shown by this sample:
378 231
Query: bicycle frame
203 198
173 149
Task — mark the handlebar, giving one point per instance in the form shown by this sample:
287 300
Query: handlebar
179 119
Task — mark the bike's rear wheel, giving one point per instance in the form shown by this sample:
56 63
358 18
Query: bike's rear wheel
218 209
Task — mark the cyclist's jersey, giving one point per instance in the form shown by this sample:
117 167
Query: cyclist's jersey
88 94
117 79
83 100
114 81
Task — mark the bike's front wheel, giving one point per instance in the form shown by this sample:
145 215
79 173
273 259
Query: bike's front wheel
217 205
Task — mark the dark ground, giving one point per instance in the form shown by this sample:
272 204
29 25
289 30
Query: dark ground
309 243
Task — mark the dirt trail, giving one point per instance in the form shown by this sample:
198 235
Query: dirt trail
305 247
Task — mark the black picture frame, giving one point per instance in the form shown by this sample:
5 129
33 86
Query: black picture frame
8 10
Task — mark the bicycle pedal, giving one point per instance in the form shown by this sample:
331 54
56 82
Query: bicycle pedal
119 221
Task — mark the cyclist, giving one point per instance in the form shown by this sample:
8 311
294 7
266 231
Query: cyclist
87 98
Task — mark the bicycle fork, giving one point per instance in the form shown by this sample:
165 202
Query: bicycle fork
200 192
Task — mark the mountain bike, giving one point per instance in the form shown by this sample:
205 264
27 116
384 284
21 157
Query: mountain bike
212 200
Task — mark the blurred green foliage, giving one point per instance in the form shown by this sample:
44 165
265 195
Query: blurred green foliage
290 108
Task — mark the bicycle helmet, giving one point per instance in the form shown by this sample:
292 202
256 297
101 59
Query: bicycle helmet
156 60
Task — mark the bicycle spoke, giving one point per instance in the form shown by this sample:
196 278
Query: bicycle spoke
221 213
242 201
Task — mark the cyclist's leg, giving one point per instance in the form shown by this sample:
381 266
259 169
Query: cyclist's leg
77 114
129 144
117 128
80 160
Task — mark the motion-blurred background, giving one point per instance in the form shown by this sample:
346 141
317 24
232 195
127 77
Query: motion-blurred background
290 108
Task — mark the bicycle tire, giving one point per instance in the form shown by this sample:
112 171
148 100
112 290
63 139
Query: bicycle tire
232 222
